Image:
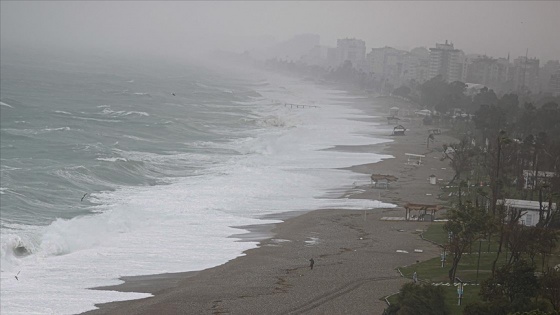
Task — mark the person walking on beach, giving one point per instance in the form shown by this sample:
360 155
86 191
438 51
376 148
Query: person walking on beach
415 277
311 263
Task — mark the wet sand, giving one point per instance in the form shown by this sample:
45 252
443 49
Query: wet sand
355 252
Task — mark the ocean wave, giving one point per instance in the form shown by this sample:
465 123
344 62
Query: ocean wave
56 129
62 112
7 105
114 159
27 132
4 190
15 246
122 113
96 119
142 94
201 85
136 138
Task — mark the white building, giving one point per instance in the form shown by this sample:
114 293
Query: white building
353 50
448 62
529 210
417 65
526 74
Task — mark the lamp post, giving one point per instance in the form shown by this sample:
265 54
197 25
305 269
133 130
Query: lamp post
478 262
459 290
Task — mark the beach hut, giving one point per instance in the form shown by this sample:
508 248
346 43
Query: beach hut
399 130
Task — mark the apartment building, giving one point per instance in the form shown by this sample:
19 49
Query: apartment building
448 62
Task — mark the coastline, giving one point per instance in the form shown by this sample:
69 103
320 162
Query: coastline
355 252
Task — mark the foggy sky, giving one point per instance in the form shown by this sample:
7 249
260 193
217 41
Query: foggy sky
176 28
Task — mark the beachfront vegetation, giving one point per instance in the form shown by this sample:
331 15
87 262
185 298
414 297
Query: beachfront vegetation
500 138
515 264
419 300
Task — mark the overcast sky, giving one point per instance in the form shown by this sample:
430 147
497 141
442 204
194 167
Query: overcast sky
495 28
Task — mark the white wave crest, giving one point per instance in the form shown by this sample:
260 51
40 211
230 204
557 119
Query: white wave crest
62 112
122 113
142 94
114 159
7 105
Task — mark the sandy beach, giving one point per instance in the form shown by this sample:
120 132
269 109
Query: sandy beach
355 253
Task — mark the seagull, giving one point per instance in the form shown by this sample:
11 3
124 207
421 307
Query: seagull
173 94
17 275
83 197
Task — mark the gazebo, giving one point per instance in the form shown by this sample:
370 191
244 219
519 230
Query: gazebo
425 211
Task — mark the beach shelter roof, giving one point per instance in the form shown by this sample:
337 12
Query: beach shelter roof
424 112
395 108
390 178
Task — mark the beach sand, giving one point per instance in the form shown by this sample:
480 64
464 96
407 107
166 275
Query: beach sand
355 252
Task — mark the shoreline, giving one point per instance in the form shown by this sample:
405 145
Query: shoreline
275 278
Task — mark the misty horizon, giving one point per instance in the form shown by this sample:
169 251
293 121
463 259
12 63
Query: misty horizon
181 29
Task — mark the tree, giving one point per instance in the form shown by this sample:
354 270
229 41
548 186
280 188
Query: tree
433 92
403 91
466 225
489 119
419 300
516 284
454 97
460 155
485 97
550 287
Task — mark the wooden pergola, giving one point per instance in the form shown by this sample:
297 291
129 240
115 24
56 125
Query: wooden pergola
423 210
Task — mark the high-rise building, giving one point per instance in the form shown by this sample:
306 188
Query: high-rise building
387 63
549 69
526 74
353 50
493 73
554 83
417 65
448 62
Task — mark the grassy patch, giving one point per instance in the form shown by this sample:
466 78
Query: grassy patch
473 268
470 294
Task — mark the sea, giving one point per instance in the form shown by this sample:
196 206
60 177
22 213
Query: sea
113 166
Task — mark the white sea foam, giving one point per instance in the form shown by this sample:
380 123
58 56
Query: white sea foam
27 132
7 105
187 224
122 113
113 159
62 112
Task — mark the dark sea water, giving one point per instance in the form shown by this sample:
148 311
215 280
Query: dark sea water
117 166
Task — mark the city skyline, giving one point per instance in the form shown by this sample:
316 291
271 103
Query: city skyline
495 28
